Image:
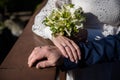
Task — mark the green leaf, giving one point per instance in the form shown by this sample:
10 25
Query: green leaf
63 21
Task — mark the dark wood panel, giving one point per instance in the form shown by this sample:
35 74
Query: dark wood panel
15 67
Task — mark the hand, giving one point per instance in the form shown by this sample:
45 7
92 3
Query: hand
51 55
68 48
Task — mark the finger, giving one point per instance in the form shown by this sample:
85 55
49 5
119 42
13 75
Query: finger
62 49
31 55
35 57
77 49
32 61
44 64
57 42
35 50
73 53
69 52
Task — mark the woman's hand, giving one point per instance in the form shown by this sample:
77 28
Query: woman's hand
68 48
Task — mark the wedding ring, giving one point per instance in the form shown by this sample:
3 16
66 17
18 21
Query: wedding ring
65 46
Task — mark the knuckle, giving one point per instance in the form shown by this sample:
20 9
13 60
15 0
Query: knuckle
63 52
43 66
36 48
46 47
77 47
38 65
53 64
67 42
74 50
71 40
35 55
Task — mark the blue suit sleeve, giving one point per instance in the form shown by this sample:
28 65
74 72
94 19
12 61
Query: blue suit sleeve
98 51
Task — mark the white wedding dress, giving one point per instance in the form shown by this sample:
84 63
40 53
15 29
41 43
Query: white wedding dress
103 18
101 14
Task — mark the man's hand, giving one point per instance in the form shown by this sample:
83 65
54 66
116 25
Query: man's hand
46 56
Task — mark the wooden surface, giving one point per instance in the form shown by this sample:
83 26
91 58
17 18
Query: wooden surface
15 67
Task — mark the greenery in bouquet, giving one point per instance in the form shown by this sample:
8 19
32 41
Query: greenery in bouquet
65 21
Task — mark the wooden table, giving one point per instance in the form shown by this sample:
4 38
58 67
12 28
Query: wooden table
15 67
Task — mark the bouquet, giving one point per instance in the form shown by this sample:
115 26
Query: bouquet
65 21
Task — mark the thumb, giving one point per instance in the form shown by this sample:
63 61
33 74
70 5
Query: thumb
44 64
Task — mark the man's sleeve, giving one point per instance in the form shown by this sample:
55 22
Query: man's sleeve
98 51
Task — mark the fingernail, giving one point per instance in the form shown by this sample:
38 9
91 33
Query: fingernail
66 56
79 58
29 65
76 61
37 67
72 60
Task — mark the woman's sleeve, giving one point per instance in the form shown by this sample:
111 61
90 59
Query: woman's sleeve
38 27
98 51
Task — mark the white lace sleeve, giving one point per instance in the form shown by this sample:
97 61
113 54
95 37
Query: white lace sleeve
38 27
118 30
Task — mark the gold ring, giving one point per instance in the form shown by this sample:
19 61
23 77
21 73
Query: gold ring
65 46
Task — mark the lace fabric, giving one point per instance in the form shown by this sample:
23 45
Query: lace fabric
97 12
